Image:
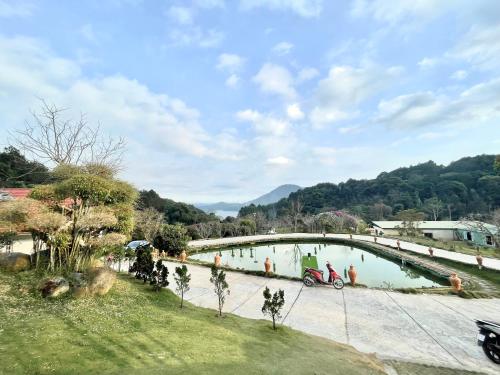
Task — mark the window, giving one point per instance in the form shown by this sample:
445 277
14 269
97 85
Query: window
489 240
428 235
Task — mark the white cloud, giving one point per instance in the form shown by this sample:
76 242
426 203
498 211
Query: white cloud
230 62
16 8
196 36
459 75
209 4
307 74
180 15
350 129
275 79
294 112
480 103
283 48
264 123
346 87
427 63
248 115
123 106
304 8
320 117
393 12
279 161
232 81
480 47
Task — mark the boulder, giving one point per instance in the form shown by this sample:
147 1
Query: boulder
54 287
15 262
100 280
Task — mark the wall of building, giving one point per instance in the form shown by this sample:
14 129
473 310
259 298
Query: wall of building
440 234
477 238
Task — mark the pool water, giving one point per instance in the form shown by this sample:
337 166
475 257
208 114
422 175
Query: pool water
288 259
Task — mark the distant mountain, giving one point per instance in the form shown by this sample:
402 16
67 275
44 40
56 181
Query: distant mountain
280 192
219 206
470 185
274 196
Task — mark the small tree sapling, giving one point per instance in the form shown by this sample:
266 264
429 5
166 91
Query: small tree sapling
182 278
273 304
221 287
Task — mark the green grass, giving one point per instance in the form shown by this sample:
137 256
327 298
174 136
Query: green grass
405 368
457 246
134 330
487 274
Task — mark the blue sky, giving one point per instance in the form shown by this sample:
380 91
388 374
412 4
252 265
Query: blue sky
225 100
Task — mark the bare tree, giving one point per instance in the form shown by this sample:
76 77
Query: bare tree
53 138
434 207
295 211
148 222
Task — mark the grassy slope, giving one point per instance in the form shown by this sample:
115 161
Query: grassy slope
490 275
457 246
134 330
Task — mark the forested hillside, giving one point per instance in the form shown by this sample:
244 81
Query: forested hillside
469 185
17 171
175 212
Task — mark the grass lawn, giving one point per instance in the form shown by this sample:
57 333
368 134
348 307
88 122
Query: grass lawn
457 246
490 275
134 330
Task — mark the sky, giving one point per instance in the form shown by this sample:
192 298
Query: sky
226 100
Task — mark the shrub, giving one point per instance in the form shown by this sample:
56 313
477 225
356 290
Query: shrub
172 239
159 277
143 265
273 303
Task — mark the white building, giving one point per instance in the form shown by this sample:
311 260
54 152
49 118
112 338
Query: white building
478 233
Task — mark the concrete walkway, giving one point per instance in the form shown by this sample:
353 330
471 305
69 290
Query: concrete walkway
429 329
439 253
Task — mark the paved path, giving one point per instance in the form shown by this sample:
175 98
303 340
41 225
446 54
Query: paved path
440 253
429 329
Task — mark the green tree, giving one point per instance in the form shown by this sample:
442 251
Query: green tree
159 276
17 171
171 239
273 303
221 287
496 165
182 279
409 221
144 264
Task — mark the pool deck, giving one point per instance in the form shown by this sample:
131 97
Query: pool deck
405 246
430 329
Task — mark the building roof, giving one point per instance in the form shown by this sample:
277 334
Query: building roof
14 193
442 225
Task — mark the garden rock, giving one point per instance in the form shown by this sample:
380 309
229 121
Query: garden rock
54 287
100 280
15 262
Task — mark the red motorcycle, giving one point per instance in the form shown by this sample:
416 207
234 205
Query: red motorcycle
313 276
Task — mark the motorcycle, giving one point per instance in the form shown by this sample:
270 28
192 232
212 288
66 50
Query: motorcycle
489 338
313 276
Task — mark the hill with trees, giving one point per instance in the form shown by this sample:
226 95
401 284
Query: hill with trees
470 185
174 212
17 172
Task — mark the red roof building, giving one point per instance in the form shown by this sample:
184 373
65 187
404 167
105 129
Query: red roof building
14 193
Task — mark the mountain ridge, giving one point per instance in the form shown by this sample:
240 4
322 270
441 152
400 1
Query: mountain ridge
282 191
